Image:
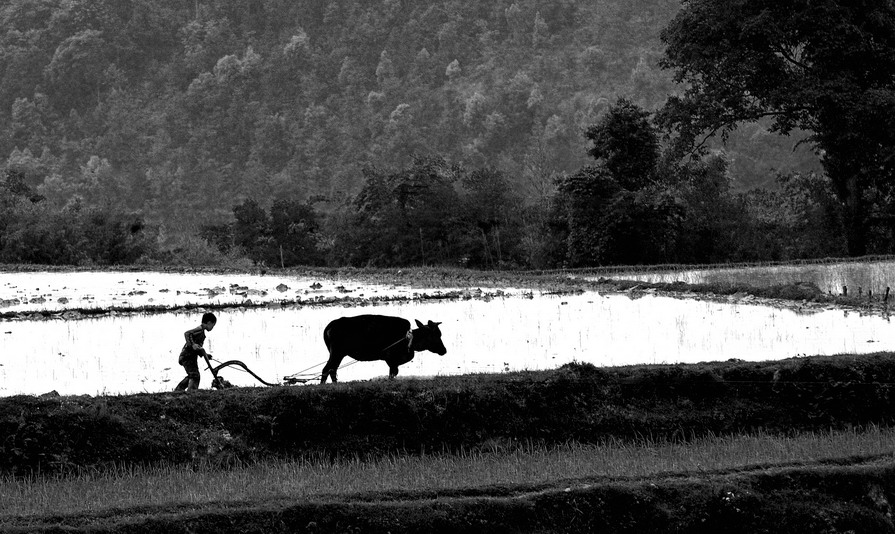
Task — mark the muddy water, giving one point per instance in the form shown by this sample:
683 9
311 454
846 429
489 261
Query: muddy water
138 353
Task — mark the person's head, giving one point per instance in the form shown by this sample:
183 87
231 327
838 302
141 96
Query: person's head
208 320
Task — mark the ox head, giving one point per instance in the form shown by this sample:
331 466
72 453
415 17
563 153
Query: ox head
428 337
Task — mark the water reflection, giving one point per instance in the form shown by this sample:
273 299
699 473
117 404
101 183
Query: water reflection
137 353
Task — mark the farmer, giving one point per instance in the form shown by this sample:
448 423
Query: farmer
189 355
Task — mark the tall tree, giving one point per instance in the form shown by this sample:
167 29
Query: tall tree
251 230
627 142
826 66
294 228
404 217
491 211
78 70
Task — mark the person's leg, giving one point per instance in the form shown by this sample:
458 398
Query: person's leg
192 374
183 384
194 382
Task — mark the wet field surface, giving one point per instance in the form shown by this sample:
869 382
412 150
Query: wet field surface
274 325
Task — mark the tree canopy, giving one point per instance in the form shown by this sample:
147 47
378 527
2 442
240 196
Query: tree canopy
627 143
825 66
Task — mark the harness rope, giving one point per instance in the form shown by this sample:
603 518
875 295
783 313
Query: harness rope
294 378
299 376
408 337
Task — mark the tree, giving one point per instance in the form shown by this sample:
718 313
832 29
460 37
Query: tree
802 219
404 217
491 216
77 70
715 221
110 237
35 231
581 201
627 142
606 224
620 210
251 229
15 185
826 66
294 229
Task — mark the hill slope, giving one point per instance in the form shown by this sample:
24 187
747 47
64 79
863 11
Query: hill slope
180 110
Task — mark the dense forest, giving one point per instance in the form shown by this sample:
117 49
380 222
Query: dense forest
507 133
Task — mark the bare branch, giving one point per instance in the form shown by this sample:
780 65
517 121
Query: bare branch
792 58
730 123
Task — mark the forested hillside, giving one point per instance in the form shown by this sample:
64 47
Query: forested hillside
179 111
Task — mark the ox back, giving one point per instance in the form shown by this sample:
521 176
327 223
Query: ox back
365 337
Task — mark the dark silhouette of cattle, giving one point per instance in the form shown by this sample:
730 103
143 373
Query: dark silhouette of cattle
368 338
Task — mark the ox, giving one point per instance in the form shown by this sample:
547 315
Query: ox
368 338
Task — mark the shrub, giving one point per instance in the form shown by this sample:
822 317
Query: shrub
34 231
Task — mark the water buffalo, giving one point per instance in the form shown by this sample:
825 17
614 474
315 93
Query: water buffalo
378 337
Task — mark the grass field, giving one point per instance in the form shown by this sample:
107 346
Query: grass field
496 464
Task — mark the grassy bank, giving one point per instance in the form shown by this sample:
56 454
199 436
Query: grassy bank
658 448
578 403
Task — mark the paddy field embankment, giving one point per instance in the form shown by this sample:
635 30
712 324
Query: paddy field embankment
213 431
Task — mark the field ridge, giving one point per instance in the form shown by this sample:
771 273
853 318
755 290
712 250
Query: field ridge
576 403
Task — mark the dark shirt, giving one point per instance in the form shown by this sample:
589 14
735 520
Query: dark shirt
194 336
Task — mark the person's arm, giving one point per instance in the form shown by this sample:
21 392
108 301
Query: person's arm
189 337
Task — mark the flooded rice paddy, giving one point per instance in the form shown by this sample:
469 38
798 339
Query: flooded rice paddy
835 277
514 330
39 291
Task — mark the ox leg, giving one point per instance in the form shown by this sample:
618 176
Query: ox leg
392 371
330 369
